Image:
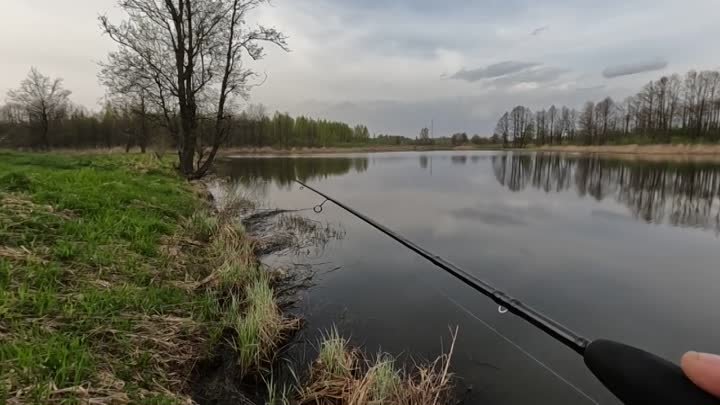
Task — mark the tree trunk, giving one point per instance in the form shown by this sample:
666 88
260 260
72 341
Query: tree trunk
44 134
187 147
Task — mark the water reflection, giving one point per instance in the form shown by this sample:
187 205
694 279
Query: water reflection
681 194
284 170
556 230
424 159
459 160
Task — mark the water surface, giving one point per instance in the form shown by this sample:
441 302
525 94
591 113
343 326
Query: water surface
611 248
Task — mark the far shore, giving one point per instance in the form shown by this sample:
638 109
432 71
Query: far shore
644 152
351 149
656 152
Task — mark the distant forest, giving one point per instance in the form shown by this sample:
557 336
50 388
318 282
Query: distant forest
50 120
39 115
672 109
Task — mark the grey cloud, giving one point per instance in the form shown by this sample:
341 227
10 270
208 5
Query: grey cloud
634 68
541 75
540 30
591 88
494 70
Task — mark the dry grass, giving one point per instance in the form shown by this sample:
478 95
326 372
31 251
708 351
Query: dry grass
645 152
340 376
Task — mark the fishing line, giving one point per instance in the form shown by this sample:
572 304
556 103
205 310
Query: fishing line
519 348
558 331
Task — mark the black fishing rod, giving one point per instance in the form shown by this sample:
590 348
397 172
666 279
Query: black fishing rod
635 376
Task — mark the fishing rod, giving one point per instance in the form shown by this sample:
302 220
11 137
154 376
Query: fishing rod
633 375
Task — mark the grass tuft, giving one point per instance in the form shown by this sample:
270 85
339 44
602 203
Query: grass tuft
334 357
385 379
258 325
202 226
15 182
341 377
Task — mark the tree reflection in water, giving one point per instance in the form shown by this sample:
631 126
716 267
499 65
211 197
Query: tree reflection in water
681 194
284 170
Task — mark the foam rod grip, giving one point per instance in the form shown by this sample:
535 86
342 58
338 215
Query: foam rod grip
637 377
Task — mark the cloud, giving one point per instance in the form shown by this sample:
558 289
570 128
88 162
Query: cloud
540 75
634 68
591 88
540 30
378 62
494 70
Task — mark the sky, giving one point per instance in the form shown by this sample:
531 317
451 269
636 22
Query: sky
396 66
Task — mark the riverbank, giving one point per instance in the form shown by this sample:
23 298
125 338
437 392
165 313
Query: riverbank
350 149
121 283
663 150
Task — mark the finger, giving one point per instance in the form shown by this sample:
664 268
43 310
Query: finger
704 370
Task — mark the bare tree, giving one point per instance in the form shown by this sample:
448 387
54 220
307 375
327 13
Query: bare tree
424 136
521 125
587 122
574 117
502 129
553 121
604 118
565 124
541 126
191 50
42 101
134 92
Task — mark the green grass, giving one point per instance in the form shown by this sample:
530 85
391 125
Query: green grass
385 379
333 355
86 294
115 280
260 327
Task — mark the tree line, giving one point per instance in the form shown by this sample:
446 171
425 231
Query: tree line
671 109
40 115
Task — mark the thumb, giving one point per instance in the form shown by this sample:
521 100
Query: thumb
704 370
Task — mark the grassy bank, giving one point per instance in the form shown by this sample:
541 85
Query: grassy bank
117 278
115 281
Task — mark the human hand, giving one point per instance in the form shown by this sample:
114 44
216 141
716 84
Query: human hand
704 370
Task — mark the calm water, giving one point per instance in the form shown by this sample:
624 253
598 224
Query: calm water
612 249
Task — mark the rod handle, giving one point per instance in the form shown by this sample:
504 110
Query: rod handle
638 377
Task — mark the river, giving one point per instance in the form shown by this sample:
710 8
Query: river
612 248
